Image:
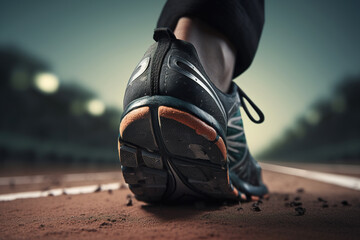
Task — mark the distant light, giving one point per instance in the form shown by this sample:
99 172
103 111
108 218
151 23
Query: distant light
96 107
47 82
313 117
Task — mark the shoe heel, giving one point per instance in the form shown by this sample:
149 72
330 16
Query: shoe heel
142 165
192 160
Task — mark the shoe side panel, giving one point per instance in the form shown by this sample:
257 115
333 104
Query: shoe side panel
139 83
184 78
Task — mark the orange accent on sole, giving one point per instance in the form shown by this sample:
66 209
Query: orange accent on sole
235 191
243 196
266 196
132 116
255 198
189 120
221 145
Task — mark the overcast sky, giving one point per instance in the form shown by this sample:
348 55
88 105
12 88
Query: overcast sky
307 46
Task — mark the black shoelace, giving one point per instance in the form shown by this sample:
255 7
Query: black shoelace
243 96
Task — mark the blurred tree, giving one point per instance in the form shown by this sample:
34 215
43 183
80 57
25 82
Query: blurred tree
42 128
328 132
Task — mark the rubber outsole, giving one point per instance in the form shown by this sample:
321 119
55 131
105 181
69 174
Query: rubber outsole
169 154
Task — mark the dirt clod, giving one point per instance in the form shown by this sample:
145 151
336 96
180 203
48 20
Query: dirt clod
105 224
300 211
130 203
345 203
255 207
300 190
295 204
98 189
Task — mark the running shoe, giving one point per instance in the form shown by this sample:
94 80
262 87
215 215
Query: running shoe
180 137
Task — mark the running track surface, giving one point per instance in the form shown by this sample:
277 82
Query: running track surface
332 212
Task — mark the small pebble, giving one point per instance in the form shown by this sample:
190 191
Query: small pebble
295 204
256 209
300 211
98 189
105 224
129 203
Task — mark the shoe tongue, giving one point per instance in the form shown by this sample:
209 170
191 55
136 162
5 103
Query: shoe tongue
163 33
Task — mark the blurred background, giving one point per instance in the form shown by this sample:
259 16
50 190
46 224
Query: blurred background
64 66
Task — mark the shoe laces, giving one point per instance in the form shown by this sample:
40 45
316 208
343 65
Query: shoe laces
243 96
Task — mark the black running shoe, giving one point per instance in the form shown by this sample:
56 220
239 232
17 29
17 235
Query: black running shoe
180 136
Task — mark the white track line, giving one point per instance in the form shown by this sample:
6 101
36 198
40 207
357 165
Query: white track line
339 180
73 177
59 191
343 181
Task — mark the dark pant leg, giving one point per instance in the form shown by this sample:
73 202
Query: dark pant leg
240 21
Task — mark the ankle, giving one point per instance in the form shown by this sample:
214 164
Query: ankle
216 53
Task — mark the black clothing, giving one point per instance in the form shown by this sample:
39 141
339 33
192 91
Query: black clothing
240 21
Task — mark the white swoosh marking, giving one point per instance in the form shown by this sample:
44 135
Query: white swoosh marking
141 67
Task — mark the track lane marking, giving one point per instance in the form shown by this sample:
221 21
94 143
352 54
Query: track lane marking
72 177
59 191
335 179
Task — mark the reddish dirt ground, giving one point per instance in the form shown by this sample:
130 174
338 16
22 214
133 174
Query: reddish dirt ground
106 215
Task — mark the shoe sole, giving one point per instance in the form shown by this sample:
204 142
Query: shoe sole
168 154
